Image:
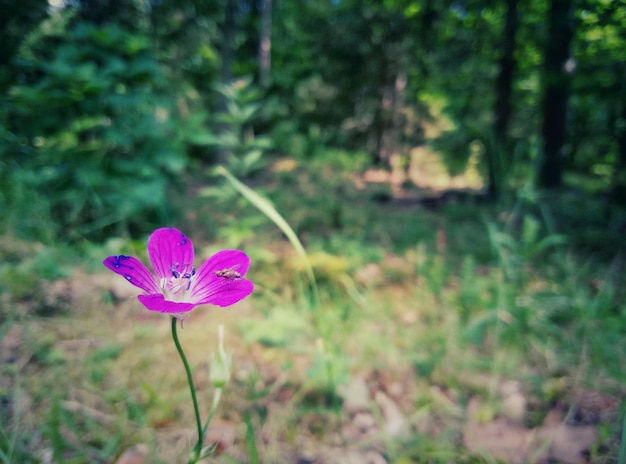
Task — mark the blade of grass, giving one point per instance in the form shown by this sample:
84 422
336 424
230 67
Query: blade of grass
273 215
622 445
5 458
250 439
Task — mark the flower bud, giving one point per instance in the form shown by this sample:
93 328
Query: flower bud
221 363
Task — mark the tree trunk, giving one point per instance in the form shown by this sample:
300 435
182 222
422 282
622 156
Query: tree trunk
265 43
228 40
229 29
382 113
392 104
555 84
619 171
502 110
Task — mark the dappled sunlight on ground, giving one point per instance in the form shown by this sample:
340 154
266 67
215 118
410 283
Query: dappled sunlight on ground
425 170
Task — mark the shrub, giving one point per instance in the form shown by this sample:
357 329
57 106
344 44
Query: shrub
86 136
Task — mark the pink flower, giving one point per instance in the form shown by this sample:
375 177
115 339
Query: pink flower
176 287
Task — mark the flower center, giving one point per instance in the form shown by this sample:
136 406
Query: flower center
175 287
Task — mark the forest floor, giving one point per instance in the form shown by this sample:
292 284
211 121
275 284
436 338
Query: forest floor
417 348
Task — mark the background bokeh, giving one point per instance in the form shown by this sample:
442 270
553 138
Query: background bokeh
433 196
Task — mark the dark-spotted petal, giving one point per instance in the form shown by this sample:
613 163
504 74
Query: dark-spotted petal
134 271
157 302
170 252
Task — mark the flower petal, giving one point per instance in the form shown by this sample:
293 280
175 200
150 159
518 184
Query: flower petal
157 302
170 251
226 292
235 260
134 271
222 290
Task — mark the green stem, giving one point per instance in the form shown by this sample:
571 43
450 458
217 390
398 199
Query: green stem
217 395
198 447
622 446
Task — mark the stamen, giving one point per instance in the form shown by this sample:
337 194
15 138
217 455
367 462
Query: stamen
176 286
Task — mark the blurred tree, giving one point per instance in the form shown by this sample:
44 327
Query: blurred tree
229 29
555 88
127 13
17 19
241 151
469 57
265 43
90 132
188 38
346 70
619 172
598 120
197 43
356 74
503 91
476 68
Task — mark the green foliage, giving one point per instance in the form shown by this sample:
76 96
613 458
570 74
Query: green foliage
420 299
98 362
597 111
443 317
16 448
279 328
338 93
65 425
251 440
16 21
15 445
233 137
86 138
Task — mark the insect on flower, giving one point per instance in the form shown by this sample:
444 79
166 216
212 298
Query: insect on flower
229 274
